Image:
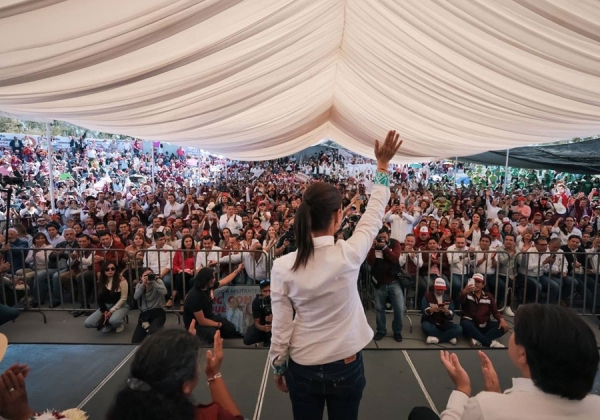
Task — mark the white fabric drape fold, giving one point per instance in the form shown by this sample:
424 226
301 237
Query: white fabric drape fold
265 78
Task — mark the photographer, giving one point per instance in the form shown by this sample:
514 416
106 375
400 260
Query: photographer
263 316
287 241
150 295
383 259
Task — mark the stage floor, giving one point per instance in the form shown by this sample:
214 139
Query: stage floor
88 376
75 367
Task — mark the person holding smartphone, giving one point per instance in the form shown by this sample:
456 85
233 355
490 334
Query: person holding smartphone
438 312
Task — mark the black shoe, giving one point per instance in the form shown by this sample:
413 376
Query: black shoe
378 336
34 305
55 304
77 314
398 337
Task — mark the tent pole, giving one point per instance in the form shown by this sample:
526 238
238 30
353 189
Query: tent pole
455 171
50 168
505 186
152 174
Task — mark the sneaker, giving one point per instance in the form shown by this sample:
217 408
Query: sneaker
432 340
398 337
120 329
508 311
388 308
474 343
378 336
453 341
107 329
496 344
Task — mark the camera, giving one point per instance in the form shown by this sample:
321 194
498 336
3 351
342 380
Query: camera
151 277
380 239
265 304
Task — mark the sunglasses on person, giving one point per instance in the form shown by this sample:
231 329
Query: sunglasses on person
264 282
110 268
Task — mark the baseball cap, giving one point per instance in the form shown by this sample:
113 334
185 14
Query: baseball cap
521 198
506 220
478 277
439 284
161 216
423 229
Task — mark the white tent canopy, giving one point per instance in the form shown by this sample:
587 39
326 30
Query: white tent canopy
265 78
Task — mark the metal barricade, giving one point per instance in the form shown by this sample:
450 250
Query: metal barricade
419 269
57 279
560 277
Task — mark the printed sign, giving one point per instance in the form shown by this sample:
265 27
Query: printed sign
235 304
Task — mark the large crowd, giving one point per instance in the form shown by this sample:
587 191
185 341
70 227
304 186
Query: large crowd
119 208
163 231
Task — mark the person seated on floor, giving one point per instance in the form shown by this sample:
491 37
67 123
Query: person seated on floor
150 295
260 331
113 306
438 311
478 307
163 376
557 355
199 301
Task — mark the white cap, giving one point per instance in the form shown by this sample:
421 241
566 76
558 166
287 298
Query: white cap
439 284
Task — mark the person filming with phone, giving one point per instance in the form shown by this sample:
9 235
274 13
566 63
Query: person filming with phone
478 308
383 259
150 295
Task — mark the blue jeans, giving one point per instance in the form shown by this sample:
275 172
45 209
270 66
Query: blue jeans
394 292
545 284
41 284
116 320
443 332
484 335
7 314
490 281
459 282
338 384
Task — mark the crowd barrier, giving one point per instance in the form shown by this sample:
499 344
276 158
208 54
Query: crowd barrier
57 284
508 281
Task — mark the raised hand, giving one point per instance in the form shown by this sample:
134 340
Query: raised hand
490 377
456 372
386 151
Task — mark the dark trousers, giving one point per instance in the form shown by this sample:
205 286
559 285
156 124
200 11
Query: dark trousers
7 314
182 282
254 335
207 334
484 335
423 413
85 287
338 384
156 319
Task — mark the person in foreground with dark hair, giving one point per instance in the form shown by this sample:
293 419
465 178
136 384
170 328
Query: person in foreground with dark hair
198 305
319 350
163 375
557 354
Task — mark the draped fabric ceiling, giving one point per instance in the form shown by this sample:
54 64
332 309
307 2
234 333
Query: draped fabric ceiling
264 78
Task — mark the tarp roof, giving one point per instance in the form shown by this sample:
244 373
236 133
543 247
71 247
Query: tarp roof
577 158
264 78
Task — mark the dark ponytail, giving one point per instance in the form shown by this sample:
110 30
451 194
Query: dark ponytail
319 202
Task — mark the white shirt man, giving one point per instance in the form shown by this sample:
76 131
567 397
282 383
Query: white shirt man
458 257
160 257
485 261
209 255
400 221
231 221
255 263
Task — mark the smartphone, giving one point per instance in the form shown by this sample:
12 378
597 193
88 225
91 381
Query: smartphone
471 282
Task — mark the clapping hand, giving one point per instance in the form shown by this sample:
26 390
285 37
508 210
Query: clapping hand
490 377
456 372
214 358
